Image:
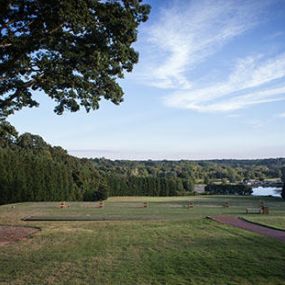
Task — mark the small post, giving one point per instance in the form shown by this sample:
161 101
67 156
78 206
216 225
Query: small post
265 210
226 205
190 204
63 205
99 205
145 205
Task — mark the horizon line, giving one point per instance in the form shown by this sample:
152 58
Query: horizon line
104 154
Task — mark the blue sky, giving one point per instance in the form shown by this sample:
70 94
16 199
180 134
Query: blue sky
210 84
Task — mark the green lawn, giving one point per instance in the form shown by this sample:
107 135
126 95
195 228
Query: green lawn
274 220
166 243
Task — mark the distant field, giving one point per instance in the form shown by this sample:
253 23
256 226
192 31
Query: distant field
166 243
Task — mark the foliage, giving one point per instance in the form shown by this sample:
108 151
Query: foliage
143 186
32 170
74 51
8 133
228 189
99 194
204 171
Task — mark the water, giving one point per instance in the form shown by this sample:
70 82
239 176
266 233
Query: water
265 191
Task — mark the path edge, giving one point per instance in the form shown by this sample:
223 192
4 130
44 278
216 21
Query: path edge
262 225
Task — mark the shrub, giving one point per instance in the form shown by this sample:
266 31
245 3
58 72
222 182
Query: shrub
229 189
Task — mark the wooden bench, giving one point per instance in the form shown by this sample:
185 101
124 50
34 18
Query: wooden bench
253 210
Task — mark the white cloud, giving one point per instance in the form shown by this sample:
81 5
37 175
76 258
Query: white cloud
187 35
247 85
282 115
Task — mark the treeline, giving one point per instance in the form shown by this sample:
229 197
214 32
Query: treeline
131 178
206 172
148 186
32 170
238 189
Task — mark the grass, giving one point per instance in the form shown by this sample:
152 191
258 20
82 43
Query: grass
166 243
277 220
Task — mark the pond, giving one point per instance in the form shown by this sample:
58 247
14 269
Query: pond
265 191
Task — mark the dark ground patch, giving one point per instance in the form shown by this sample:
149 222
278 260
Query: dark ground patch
10 234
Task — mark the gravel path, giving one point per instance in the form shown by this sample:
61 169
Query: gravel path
14 233
237 222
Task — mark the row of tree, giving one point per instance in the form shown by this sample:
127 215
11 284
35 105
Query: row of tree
32 170
148 186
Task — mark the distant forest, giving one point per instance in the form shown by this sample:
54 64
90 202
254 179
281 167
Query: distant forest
33 170
203 171
164 177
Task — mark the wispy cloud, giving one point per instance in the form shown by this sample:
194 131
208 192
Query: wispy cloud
251 82
187 35
281 115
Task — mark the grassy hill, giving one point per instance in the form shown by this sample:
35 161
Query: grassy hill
166 243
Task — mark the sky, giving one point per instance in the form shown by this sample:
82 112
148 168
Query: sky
210 84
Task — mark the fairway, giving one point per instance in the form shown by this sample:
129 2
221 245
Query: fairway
124 243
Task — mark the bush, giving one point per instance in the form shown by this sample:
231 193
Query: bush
97 195
229 189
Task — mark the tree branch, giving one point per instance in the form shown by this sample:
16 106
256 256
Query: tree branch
5 45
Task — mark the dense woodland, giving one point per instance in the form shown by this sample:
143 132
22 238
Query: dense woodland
204 171
33 170
179 177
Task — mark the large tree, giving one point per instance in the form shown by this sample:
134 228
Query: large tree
8 134
73 50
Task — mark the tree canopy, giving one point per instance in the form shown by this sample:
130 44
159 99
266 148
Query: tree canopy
33 170
73 50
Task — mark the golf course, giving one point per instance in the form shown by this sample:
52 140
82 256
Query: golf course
142 240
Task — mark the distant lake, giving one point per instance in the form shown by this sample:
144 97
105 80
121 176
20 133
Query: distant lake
265 191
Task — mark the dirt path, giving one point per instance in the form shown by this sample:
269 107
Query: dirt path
14 233
237 222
